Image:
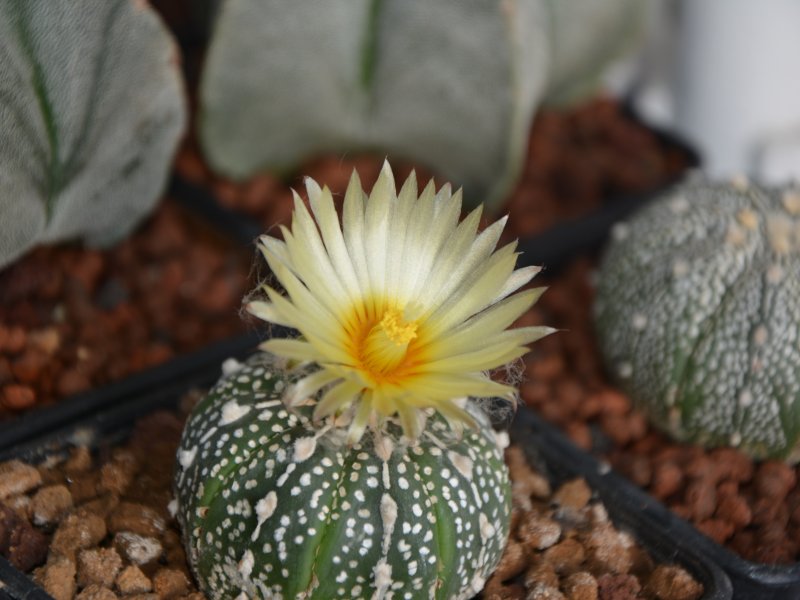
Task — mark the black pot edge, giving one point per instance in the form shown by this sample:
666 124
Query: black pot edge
663 534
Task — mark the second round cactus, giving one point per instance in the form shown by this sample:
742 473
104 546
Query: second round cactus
698 315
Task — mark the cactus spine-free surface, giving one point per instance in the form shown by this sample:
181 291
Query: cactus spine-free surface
450 84
91 110
698 315
272 506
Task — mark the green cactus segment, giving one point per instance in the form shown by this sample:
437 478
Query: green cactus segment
273 507
91 110
450 84
698 315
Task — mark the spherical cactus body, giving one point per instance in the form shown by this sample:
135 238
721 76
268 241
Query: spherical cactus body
698 310
275 506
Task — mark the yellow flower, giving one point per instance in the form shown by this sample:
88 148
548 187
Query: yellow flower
403 307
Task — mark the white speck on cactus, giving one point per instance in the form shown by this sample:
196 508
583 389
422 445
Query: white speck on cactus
186 457
625 370
638 321
745 398
791 202
304 448
760 335
230 366
775 274
679 205
246 563
680 268
619 231
462 463
231 412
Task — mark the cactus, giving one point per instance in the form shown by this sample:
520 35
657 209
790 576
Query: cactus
698 315
271 506
345 468
91 109
450 84
585 37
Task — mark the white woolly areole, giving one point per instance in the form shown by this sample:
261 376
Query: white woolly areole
230 366
232 411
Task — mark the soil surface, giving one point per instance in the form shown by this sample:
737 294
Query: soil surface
73 318
98 525
577 160
751 507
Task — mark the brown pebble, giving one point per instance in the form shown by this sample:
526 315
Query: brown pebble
47 340
117 475
99 566
17 397
58 578
580 586
701 497
96 592
538 532
667 479
14 340
72 382
617 586
668 582
607 550
512 562
77 532
24 546
50 504
735 510
718 530
541 573
80 460
573 494
131 580
170 583
774 479
136 518
139 550
16 477
566 556
541 591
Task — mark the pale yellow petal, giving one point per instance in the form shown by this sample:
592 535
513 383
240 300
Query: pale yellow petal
337 398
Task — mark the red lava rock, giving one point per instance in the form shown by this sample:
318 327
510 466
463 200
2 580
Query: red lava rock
58 578
98 566
735 510
718 530
73 382
774 479
17 477
50 504
17 397
170 583
667 479
581 586
618 587
702 499
668 582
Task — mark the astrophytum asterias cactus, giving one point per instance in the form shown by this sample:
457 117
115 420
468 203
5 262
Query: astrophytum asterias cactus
355 466
272 506
91 109
698 315
450 84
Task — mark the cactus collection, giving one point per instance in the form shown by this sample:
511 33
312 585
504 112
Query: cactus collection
91 110
351 461
698 316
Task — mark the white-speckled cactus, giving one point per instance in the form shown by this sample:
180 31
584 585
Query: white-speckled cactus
698 315
452 84
91 109
364 471
272 506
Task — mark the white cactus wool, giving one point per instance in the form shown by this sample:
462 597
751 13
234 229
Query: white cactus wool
402 307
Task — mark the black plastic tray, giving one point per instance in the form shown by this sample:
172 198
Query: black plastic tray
111 421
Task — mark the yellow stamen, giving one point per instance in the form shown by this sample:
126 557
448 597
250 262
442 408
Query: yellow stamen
386 345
